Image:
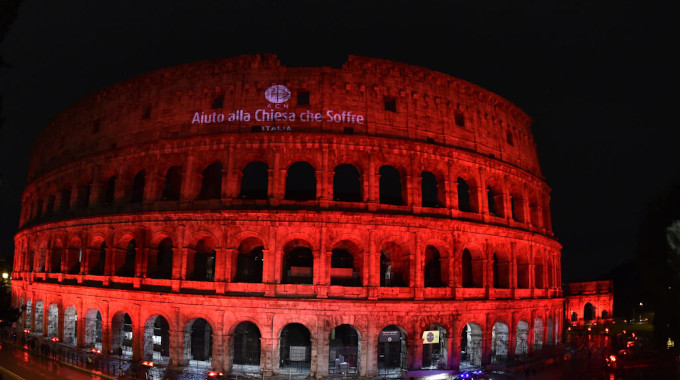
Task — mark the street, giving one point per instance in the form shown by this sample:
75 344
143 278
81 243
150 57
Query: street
26 366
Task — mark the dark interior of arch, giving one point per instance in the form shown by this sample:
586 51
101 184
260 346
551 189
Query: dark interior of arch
173 184
301 182
390 186
346 184
211 185
255 181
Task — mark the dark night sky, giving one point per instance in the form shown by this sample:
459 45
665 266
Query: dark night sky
600 82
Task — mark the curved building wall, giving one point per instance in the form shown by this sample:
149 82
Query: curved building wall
382 201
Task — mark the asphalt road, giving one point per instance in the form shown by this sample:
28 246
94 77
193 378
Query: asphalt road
19 364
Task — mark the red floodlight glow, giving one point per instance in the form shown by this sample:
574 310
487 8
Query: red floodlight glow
54 339
147 363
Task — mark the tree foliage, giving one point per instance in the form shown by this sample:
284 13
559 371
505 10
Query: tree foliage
658 255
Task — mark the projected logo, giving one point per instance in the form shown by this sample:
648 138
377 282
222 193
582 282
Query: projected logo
277 94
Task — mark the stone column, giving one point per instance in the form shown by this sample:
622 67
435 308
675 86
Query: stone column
217 350
267 356
176 349
107 346
415 346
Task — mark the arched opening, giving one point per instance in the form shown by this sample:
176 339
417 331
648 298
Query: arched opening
255 181
27 321
550 340
42 259
464 198
588 312
538 334
249 261
495 201
301 182
394 266
157 340
436 268
295 353
501 271
605 314
39 319
211 185
65 199
472 269
534 211
161 265
523 271
138 187
391 192
110 192
431 194
202 266
343 351
392 351
522 339
198 343
70 326
574 316
499 343
471 347
247 348
345 264
121 335
434 347
56 257
125 260
93 329
172 186
52 319
74 256
517 206
97 260
298 264
346 184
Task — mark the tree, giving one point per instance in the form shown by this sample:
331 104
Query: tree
658 255
8 314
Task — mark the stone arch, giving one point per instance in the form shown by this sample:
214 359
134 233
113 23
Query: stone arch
249 261
172 185
436 265
110 190
344 350
160 260
70 326
347 183
29 307
41 257
157 339
494 194
121 334
211 182
346 263
93 329
472 267
301 182
254 181
52 319
538 334
96 256
471 346
574 316
435 347
74 255
395 265
298 262
501 270
392 351
549 340
56 256
198 342
522 339
39 318
125 257
138 185
295 348
605 314
392 188
588 312
246 348
433 193
499 342
517 203
201 258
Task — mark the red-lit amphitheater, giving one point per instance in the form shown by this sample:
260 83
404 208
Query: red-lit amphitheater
245 216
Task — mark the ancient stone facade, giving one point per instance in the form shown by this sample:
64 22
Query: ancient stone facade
248 216
589 302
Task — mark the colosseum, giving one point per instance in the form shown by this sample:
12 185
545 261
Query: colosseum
245 216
